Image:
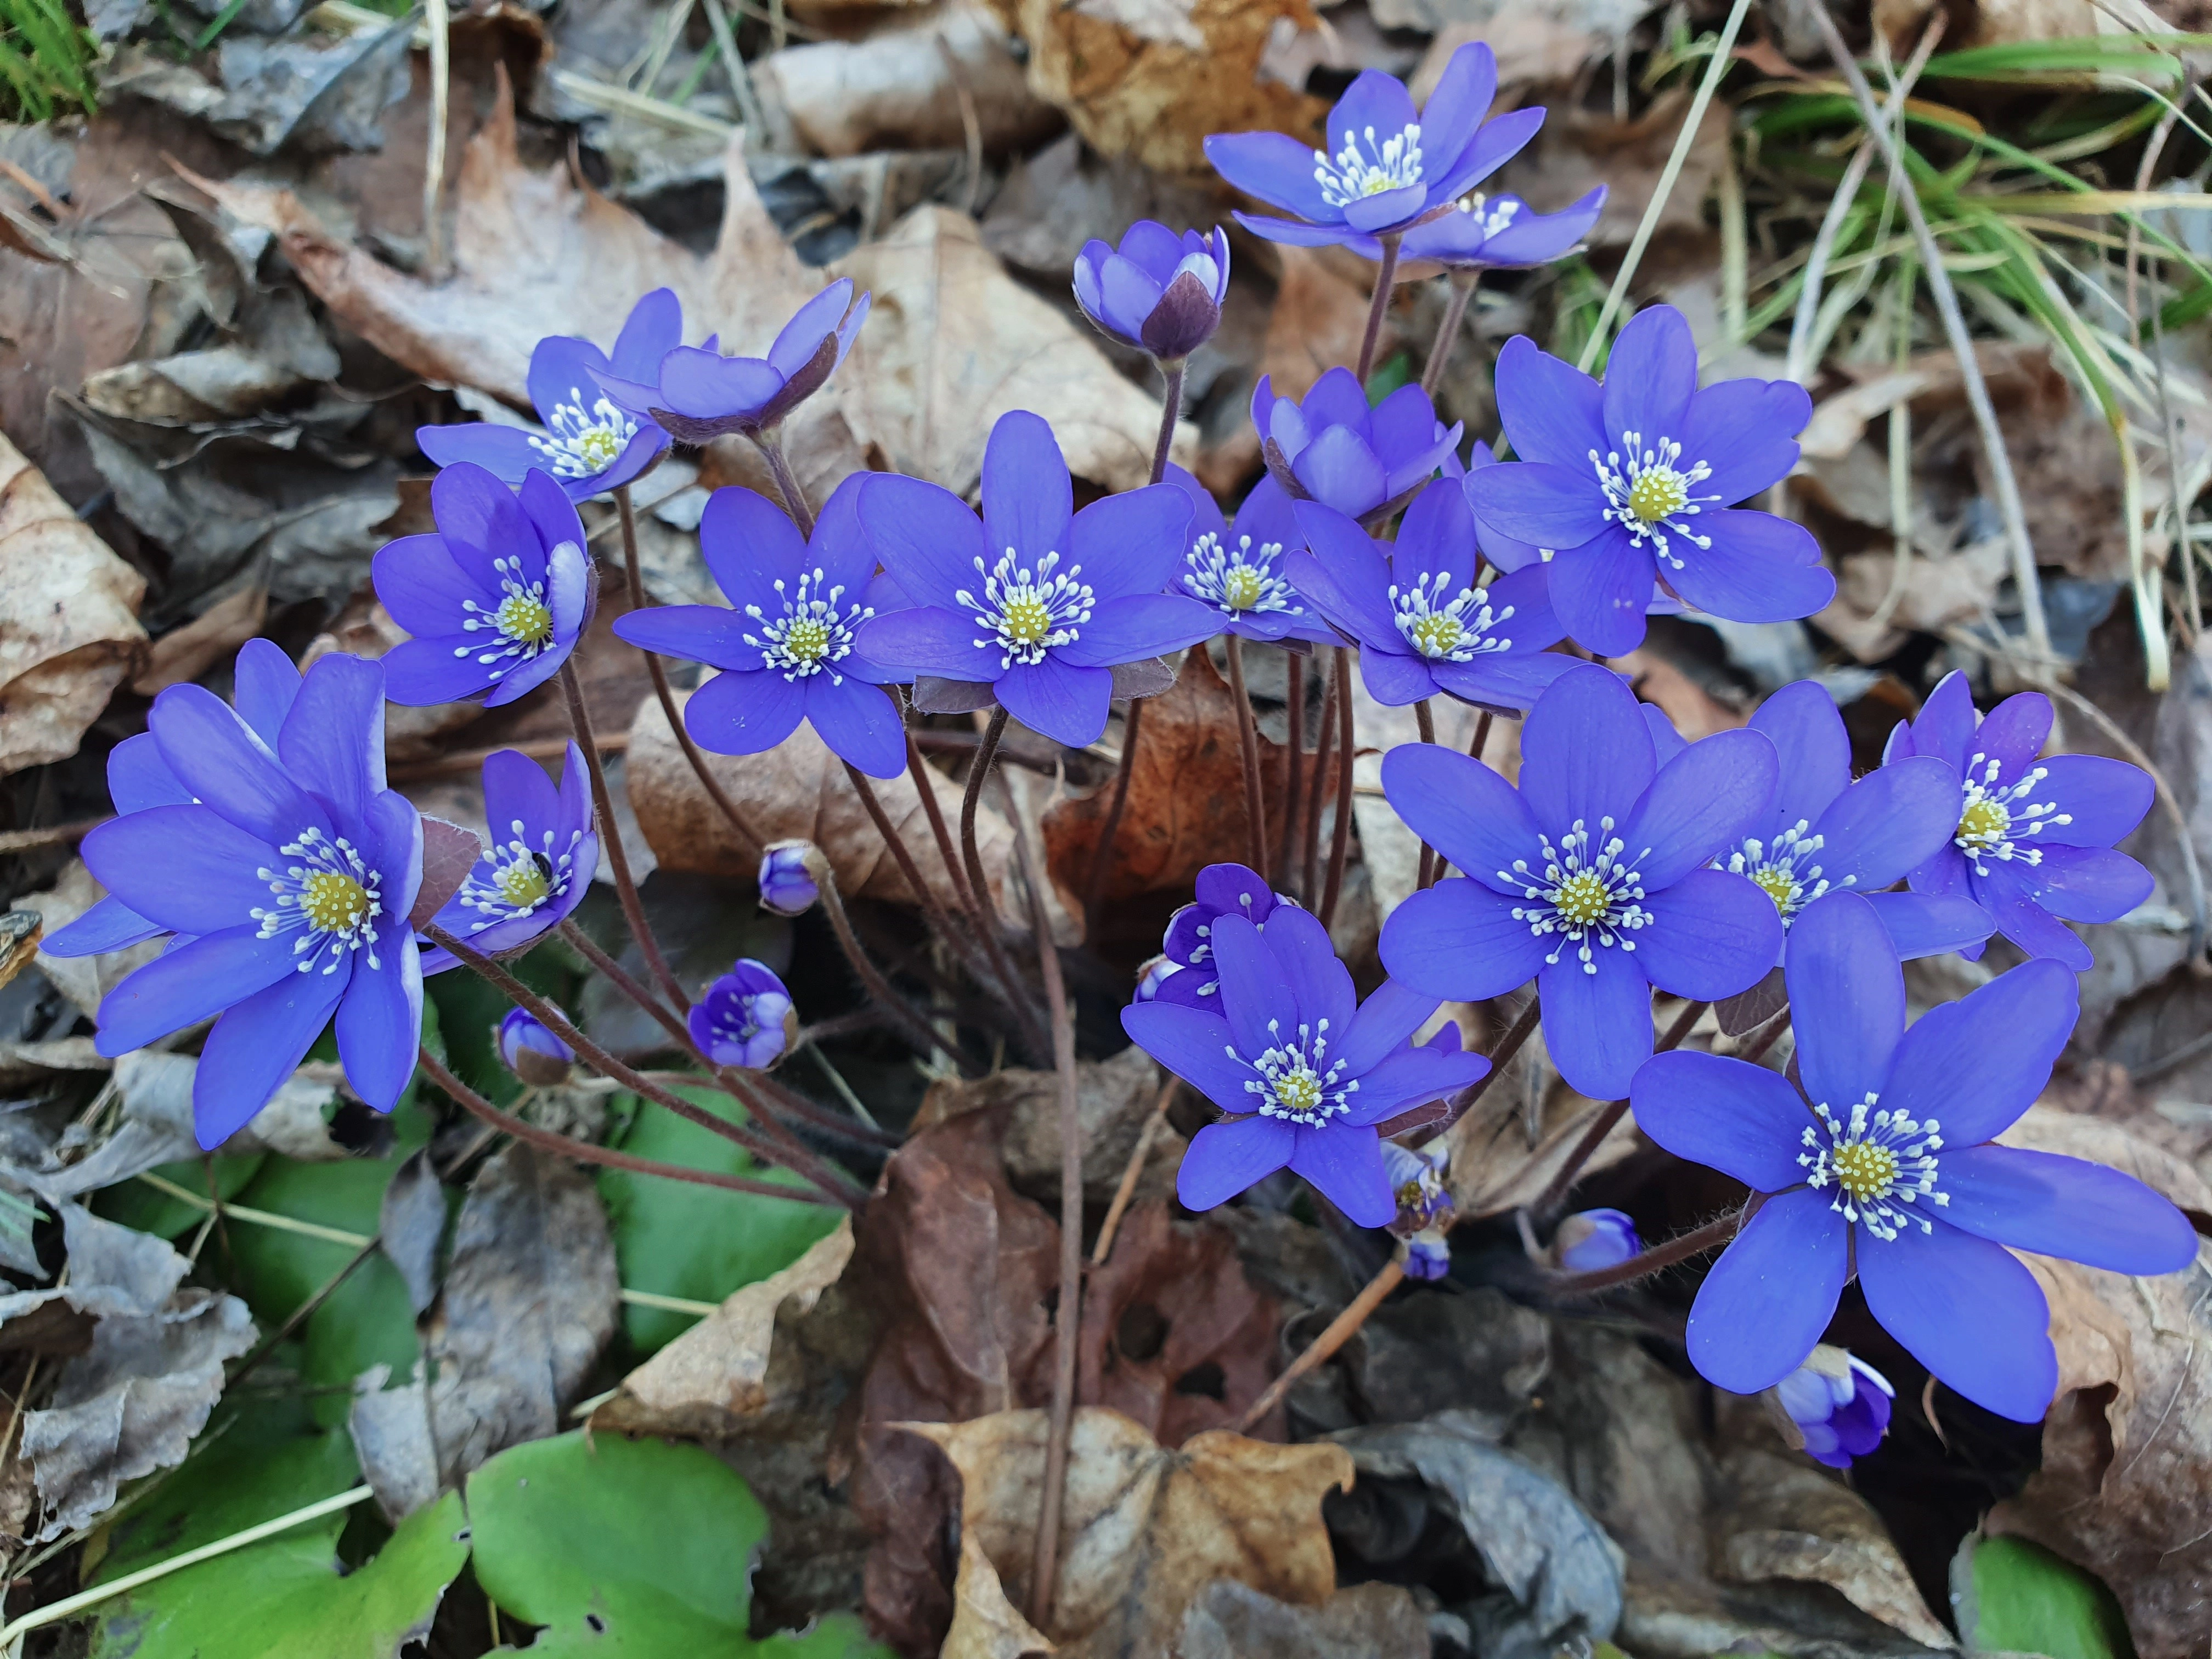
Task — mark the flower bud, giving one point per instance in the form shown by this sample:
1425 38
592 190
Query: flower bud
1833 1408
1427 1256
1158 292
745 1018
787 877
532 1052
1149 978
1593 1240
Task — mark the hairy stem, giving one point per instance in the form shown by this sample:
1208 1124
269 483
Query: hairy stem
1294 690
1340 1331
1601 1126
1425 721
1171 412
916 1028
1340 840
987 919
1481 736
771 444
633 907
1681 1248
925 783
1101 853
1385 278
1463 290
1310 891
1248 747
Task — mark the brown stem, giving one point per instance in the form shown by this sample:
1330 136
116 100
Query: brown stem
919 1031
585 1153
1339 1331
1294 690
1102 854
634 580
633 907
1322 749
1247 747
1765 1037
23 841
1384 279
987 916
625 982
771 444
1425 721
1463 290
1171 412
1481 737
1524 1024
1340 840
1155 1121
1681 1248
939 923
925 783
1601 1126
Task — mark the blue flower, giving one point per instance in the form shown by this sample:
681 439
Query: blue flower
1592 876
1883 1163
1425 1210
530 1051
1221 890
745 1017
1422 624
1837 1403
1238 569
1591 1241
787 644
787 878
538 867
1490 232
698 395
496 598
1303 1072
286 874
2032 840
1385 169
1628 482
591 443
1158 292
1333 448
1037 601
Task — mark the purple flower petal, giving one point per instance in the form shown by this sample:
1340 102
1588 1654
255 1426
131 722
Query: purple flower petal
419 582
1715 934
1059 700
441 668
1375 103
1553 411
654 328
2103 800
1255 992
798 341
749 545
1648 377
213 755
712 394
189 983
1536 502
1893 820
1027 500
1602 591
1919 925
1385 1021
1944 725
1412 1077
137 776
1194 1044
1740 1119
1274 167
1769 1298
2014 899
1344 1163
860 724
1297 234
1977 1064
185 868
1385 210
256 1044
1746 432
1841 965
1131 543
1339 470
1459 940
1806 730
1758 568
1461 98
1497 142
333 742
925 535
2064 1206
737 713
1586 754
1511 682
479 519
926 640
1969 1311
2089 884
505 452
380 1023
1461 807
110 924
1394 680
516 794
1699 802
1597 1020
1321 985
691 633
1226 1158
2015 732
1142 625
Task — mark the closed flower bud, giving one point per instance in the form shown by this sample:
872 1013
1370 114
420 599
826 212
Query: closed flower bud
787 877
1153 973
532 1052
1833 1408
745 1018
1160 292
1593 1240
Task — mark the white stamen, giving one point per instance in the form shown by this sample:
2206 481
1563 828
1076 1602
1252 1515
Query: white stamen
814 632
1585 896
1366 168
1024 613
1648 491
1876 1162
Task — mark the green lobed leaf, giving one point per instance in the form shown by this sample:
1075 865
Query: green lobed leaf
2027 1600
631 1547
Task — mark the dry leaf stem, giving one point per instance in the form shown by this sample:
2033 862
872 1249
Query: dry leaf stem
1425 721
633 907
1294 692
1339 1331
634 579
1601 1126
1340 842
1463 292
1155 1121
1386 277
1248 750
925 783
1681 1248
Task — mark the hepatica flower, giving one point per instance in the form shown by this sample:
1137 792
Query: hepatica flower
1823 833
1238 569
1425 1210
2033 839
787 878
1836 1404
530 1051
1303 1071
1334 449
1221 890
1492 233
786 643
1037 601
495 599
1158 292
698 395
1632 480
286 874
591 442
1591 877
1422 624
1591 1241
1385 167
744 1018
1883 1165
539 866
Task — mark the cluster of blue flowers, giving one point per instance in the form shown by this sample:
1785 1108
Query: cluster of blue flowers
262 841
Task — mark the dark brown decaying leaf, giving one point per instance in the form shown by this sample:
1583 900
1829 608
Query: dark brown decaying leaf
449 853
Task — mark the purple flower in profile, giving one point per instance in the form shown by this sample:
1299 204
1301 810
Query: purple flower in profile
1386 169
1493 233
539 866
1237 568
785 643
1629 481
1160 292
1882 1164
286 873
743 1019
1036 601
591 442
787 878
1425 1210
2032 840
698 394
1591 877
1822 832
1334 449
1422 624
1591 1241
1837 1405
1221 890
530 1051
495 599
1303 1071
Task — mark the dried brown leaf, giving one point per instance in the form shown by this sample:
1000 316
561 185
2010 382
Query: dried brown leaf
985 1624
186 652
1231 1620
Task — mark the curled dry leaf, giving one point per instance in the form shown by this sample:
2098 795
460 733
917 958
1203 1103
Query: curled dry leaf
68 620
796 792
1231 1620
985 1624
1150 79
953 342
1145 1529
84 980
2127 1449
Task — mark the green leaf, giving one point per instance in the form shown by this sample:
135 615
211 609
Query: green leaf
2027 1600
1397 371
678 1239
367 1320
285 1598
470 1010
136 1205
629 1547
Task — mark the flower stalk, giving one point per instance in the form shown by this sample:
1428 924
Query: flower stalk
1247 748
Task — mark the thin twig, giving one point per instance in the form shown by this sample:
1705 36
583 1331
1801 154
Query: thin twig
925 784
1524 1025
1339 841
1385 278
1711 1235
740 80
1339 1331
986 917
1248 750
437 21
1155 1121
1481 736
625 982
939 923
1463 290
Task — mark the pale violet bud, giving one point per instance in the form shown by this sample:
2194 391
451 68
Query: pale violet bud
1593 1240
532 1052
787 877
1149 980
1834 1407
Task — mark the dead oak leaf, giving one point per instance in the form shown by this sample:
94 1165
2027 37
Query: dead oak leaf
1146 1530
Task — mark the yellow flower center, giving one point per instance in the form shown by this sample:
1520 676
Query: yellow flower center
332 901
524 619
806 640
1984 823
598 446
1026 620
1658 493
1582 898
1865 1169
1437 635
1242 587
1298 1091
522 884
1779 884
